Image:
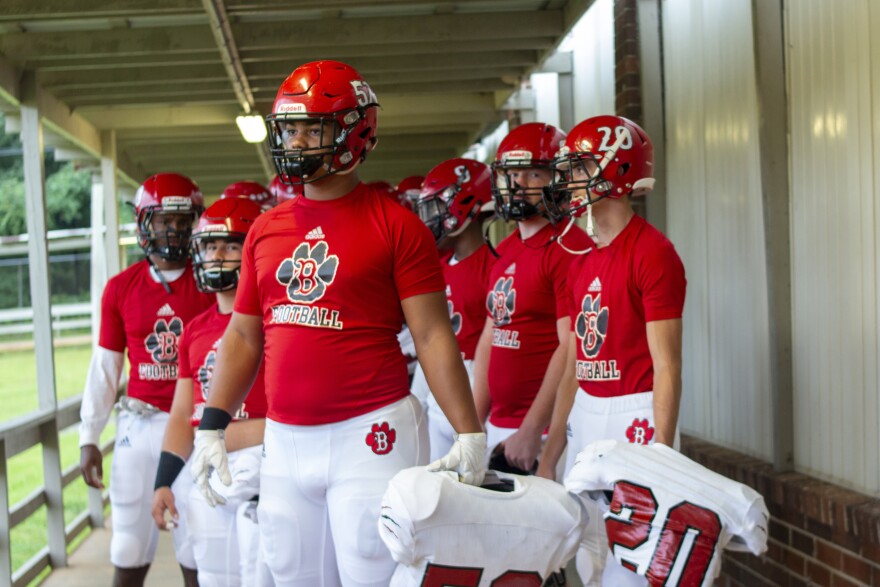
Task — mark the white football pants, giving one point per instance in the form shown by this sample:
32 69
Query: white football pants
440 431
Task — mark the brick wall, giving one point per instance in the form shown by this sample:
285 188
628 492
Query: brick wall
820 533
627 66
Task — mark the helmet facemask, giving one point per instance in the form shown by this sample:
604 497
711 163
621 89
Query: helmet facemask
577 185
214 276
434 211
511 201
170 244
300 165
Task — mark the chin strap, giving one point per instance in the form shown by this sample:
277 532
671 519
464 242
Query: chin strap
159 275
486 238
568 227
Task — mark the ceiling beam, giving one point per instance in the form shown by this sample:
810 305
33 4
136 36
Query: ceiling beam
18 10
290 56
445 28
171 81
222 30
120 42
165 74
163 116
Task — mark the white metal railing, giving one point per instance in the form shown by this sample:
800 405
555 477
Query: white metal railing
64 317
42 428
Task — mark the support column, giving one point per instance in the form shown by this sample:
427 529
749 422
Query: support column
653 103
98 267
111 202
38 259
769 39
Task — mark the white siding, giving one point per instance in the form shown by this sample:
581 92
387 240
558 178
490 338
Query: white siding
593 62
835 155
715 220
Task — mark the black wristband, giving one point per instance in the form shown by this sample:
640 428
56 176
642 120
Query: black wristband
170 466
215 419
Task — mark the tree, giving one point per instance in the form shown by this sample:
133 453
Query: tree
68 190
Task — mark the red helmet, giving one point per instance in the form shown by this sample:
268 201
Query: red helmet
603 157
408 190
383 187
228 219
166 194
336 96
453 194
250 190
283 192
531 145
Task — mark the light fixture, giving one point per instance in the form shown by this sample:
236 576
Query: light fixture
252 127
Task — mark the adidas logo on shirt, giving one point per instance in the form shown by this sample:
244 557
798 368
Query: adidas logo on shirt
125 442
510 270
315 234
595 286
165 310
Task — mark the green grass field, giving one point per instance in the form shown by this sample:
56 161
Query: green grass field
18 396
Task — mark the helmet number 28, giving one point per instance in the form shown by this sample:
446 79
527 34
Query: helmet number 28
621 136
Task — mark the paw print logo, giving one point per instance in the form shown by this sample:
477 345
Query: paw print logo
307 274
592 325
381 438
162 342
454 317
206 372
502 301
640 432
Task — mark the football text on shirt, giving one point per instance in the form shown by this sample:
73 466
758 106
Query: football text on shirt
302 315
598 370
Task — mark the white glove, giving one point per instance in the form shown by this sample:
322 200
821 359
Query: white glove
210 455
467 457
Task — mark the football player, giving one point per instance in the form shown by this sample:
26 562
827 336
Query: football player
408 190
626 302
144 309
514 530
216 253
326 282
522 347
253 191
283 192
455 198
669 518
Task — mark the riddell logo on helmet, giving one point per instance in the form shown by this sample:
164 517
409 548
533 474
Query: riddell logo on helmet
214 228
517 156
291 108
176 203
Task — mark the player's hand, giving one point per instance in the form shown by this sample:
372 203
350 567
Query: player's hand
467 457
163 501
91 465
209 455
546 471
522 449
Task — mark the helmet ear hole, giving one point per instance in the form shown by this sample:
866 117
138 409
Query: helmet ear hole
621 171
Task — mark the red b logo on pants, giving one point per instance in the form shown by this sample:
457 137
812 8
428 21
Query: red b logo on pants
381 438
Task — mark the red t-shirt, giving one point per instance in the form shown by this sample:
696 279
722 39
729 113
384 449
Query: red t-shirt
466 284
327 278
138 314
616 290
198 355
528 294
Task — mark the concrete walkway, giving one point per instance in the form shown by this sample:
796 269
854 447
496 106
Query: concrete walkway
89 566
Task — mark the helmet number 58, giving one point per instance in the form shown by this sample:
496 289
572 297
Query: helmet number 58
363 92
